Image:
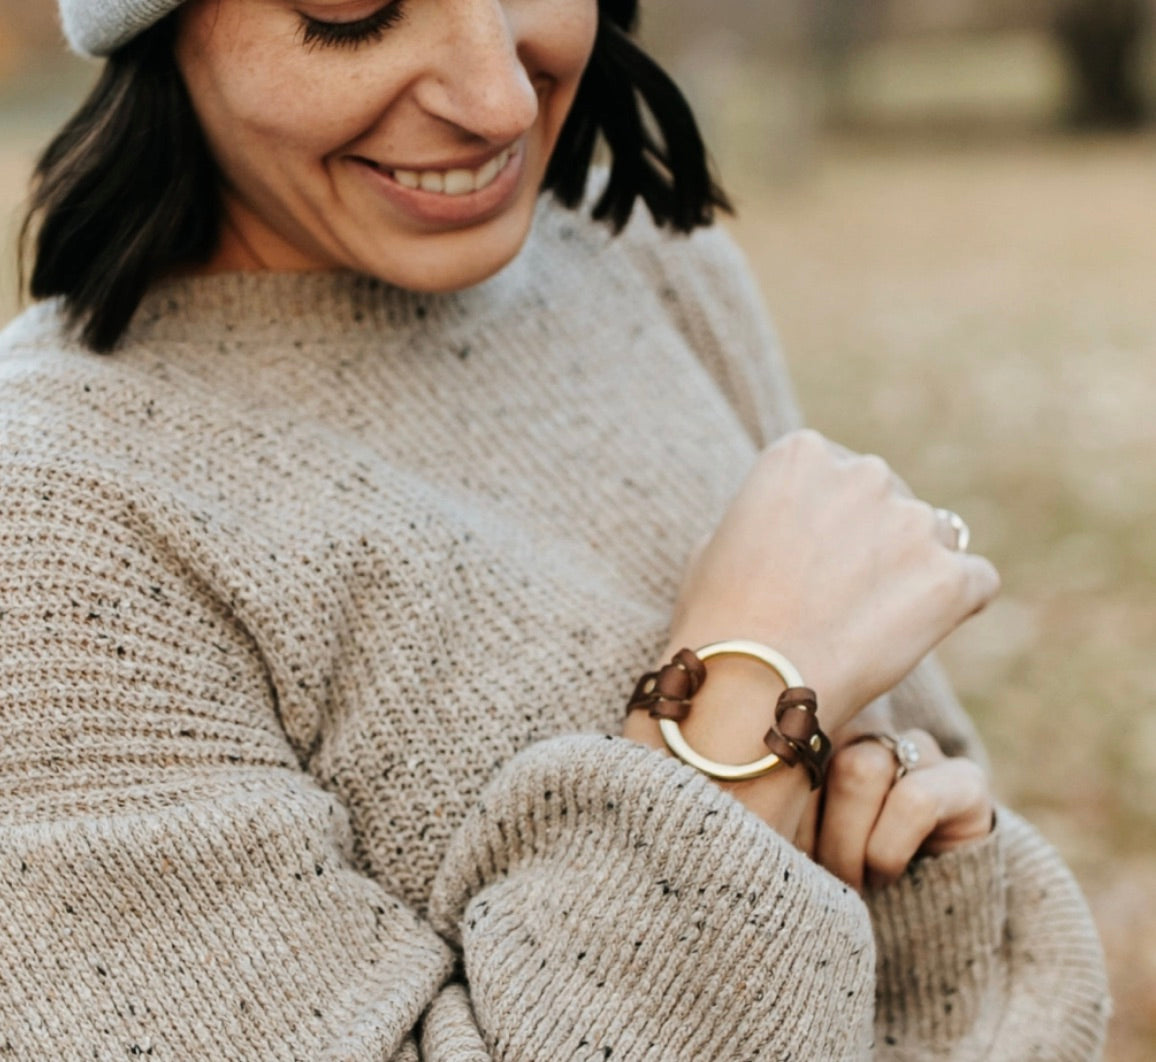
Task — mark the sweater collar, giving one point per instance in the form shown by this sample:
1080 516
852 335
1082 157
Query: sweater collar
337 306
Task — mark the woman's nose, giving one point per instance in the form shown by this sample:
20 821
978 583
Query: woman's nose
479 81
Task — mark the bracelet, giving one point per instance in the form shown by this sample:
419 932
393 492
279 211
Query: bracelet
794 739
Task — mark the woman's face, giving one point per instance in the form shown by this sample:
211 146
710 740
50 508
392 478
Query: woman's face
406 139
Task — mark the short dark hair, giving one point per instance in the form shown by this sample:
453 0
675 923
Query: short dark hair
128 190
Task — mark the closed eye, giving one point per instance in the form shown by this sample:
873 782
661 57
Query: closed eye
317 33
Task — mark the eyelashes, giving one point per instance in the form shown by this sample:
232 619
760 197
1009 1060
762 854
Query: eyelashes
316 33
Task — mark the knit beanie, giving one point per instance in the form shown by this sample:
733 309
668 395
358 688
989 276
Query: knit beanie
98 27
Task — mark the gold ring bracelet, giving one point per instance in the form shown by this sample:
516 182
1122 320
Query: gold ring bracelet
732 772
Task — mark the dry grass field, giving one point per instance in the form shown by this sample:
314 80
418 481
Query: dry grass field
982 315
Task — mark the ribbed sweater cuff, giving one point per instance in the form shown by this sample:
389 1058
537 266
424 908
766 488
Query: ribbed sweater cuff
607 897
938 932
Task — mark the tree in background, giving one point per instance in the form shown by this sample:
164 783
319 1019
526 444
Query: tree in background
1103 40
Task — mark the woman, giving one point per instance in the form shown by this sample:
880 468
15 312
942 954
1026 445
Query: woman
323 588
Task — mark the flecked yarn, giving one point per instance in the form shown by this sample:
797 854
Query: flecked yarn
319 602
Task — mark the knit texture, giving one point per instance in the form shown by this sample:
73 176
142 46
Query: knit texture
319 602
98 27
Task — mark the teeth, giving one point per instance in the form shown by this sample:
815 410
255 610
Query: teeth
489 171
453 182
459 182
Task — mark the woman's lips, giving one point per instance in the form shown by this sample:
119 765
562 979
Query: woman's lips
452 196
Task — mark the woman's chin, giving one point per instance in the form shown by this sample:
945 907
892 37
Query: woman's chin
451 260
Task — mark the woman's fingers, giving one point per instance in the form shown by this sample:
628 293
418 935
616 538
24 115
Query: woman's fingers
874 823
929 811
858 781
971 580
862 836
981 582
958 792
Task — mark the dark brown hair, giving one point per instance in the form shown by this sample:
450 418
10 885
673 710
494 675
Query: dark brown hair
128 191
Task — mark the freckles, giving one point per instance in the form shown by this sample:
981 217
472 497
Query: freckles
253 73
273 98
313 98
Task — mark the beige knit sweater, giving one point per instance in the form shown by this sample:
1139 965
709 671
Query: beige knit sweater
319 602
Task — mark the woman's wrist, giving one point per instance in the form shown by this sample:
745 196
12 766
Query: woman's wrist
731 714
837 702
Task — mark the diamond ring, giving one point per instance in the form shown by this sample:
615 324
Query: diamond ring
905 751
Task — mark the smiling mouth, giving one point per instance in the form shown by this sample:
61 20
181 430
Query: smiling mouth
449 182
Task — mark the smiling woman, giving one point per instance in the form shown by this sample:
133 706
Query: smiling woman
312 111
351 473
248 134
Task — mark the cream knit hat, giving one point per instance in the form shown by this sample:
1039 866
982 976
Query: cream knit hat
98 27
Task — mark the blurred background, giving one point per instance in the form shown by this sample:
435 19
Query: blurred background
951 206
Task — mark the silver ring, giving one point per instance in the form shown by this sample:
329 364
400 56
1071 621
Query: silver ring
958 527
905 751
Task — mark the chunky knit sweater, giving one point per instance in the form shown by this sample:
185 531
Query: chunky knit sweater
319 602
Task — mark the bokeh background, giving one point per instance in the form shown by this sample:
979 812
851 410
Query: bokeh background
951 205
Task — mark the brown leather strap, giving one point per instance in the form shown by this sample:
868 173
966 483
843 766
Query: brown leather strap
796 737
781 747
667 693
797 697
797 724
687 658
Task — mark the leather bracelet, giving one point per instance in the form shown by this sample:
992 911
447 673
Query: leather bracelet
794 739
667 693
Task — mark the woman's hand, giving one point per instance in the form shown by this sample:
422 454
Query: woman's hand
827 557
866 825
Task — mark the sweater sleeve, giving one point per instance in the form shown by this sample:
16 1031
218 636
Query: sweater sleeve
984 953
612 903
173 882
989 952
